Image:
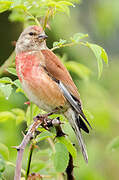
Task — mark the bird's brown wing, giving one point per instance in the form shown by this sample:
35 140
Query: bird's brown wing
57 70
55 67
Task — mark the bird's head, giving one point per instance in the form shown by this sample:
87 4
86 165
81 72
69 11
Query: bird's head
31 39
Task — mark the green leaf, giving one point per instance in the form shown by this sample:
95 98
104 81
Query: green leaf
44 135
20 115
6 90
77 37
6 115
17 83
80 69
5 80
114 145
61 157
4 6
104 56
65 3
100 56
12 71
4 151
20 90
35 110
59 43
68 145
37 165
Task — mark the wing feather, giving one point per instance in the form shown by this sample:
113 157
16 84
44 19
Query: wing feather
59 73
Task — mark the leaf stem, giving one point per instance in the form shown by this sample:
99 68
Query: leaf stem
46 19
69 45
34 18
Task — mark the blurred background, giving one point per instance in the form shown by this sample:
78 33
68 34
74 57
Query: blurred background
100 98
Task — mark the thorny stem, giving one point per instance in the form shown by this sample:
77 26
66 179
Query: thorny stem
38 120
29 160
21 147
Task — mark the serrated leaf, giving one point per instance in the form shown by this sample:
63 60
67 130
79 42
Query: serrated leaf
68 145
4 151
44 135
6 115
78 36
114 145
12 71
80 69
5 80
4 6
6 90
61 157
100 56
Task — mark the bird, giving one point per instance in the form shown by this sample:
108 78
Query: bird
46 81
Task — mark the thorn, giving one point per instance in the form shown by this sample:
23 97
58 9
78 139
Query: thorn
16 147
13 43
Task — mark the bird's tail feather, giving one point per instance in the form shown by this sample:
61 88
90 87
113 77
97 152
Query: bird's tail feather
74 120
80 141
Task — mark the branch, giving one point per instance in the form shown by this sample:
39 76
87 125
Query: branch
70 168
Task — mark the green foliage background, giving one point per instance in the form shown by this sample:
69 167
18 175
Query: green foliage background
100 97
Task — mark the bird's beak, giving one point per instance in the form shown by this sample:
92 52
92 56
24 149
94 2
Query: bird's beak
42 36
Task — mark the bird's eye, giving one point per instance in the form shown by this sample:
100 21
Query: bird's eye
31 33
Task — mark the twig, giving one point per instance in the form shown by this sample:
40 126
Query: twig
69 45
63 45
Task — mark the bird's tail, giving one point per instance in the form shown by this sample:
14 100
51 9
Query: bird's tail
74 120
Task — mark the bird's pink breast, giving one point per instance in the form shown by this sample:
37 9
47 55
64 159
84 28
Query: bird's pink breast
37 84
